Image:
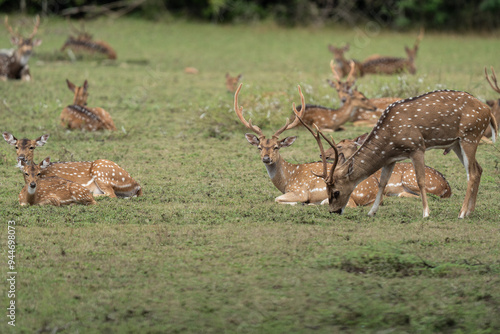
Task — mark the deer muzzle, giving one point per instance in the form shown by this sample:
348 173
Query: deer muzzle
266 159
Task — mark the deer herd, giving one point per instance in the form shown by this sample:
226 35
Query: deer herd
352 172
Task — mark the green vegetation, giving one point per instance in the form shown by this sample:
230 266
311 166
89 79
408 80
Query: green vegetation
206 249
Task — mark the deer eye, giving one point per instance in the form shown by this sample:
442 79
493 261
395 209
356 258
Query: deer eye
17 147
336 194
260 148
32 148
38 174
26 174
276 148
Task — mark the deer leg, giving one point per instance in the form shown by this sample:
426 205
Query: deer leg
466 152
105 187
419 165
384 178
290 198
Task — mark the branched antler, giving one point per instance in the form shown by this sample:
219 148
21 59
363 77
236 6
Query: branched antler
239 112
493 78
9 28
35 29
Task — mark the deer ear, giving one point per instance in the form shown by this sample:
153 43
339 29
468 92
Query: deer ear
14 40
9 138
45 163
42 140
491 103
350 169
71 85
288 141
85 85
240 76
361 139
341 158
252 139
333 84
37 42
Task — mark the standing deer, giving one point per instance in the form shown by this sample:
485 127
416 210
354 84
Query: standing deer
50 190
15 65
232 82
393 65
332 119
79 116
83 42
438 119
101 177
403 181
297 182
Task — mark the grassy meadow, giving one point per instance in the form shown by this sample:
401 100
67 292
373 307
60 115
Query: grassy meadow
206 249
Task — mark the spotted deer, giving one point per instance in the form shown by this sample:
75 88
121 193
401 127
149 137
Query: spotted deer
100 177
297 182
54 190
494 104
342 65
83 42
438 119
14 65
332 119
232 82
394 65
403 181
79 116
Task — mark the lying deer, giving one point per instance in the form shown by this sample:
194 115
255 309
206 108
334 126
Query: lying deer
297 182
101 177
232 82
15 65
342 65
79 116
403 181
83 42
50 190
393 65
438 119
332 119
347 90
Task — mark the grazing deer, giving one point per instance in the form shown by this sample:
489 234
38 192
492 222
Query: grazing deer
438 119
232 82
79 116
50 190
403 181
494 104
101 177
83 42
332 119
15 65
343 66
393 65
297 182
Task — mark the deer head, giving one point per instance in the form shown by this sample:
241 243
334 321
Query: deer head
269 148
25 147
231 82
32 172
81 93
24 45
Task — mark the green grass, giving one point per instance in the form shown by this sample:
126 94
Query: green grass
206 249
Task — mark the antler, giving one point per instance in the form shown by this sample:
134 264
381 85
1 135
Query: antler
493 77
9 28
296 120
35 29
335 74
239 112
350 78
327 177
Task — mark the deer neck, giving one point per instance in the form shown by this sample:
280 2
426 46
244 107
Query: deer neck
30 194
279 172
345 113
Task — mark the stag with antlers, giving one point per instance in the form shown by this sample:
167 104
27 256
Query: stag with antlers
332 119
440 119
393 65
100 177
342 65
15 65
79 116
299 183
